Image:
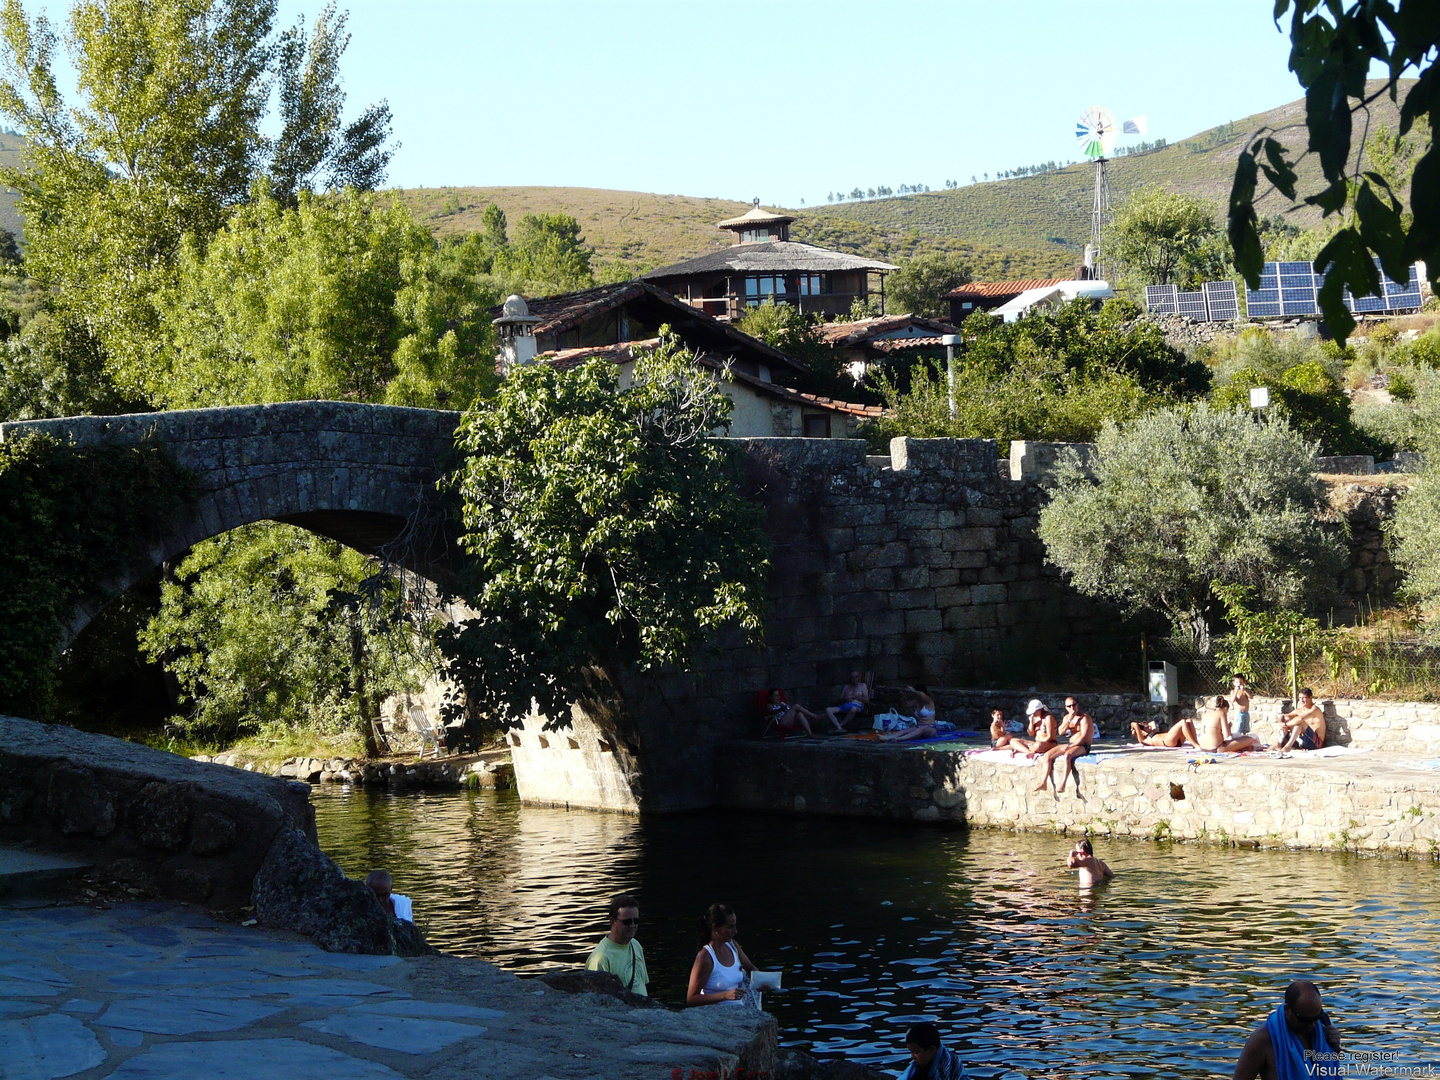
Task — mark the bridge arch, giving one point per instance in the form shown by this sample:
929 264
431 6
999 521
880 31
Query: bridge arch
355 473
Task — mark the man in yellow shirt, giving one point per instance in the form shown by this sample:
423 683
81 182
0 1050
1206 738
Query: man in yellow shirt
618 952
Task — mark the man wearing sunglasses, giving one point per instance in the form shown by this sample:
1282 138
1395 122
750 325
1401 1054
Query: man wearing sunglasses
618 952
1297 1042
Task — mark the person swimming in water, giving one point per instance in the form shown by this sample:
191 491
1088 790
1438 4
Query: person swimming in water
1092 870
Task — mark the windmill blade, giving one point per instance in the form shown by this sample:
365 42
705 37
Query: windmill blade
1137 126
1095 132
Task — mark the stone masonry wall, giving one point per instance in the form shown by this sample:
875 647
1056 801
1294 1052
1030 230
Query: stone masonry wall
923 567
1347 804
1401 727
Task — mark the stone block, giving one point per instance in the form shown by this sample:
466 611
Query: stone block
990 594
920 620
880 623
159 816
912 598
954 597
880 581
912 577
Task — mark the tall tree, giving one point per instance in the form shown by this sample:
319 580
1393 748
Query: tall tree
1159 236
920 286
162 142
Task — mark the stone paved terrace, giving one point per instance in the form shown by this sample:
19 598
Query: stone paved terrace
159 991
1364 800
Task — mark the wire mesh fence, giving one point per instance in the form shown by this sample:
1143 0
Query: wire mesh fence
1338 664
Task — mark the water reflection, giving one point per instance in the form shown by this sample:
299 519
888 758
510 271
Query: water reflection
1163 972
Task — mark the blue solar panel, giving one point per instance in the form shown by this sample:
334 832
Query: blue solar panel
1368 304
1299 270
1192 306
1221 300
1256 309
1161 299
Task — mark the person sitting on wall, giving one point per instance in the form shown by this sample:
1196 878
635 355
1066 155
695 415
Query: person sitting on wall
999 737
853 700
1092 870
1214 734
397 905
926 725
1081 729
788 716
1042 727
1304 728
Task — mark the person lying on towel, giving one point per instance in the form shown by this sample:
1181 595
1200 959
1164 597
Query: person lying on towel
1298 1042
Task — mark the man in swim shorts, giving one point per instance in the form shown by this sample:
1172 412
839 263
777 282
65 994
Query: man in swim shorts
1303 728
853 699
1081 729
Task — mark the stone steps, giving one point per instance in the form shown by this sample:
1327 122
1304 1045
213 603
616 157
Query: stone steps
26 872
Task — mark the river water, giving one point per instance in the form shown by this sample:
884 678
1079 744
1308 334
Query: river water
876 926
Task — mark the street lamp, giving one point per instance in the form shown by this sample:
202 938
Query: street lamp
950 341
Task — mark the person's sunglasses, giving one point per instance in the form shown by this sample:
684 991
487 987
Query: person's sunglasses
1307 1019
629 922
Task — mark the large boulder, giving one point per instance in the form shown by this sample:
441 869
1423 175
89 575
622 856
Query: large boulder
300 888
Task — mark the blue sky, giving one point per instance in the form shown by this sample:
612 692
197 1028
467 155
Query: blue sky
790 99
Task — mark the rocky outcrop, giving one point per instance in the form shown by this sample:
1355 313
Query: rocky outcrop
300 888
159 822
584 981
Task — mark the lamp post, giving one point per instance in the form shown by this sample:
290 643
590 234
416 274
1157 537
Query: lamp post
950 341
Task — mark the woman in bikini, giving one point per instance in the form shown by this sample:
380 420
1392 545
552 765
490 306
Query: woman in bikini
925 727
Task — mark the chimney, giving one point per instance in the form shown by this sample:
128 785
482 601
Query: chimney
516 327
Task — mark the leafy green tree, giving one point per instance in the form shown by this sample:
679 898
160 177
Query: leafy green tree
1311 399
1057 376
784 327
1183 498
337 297
605 530
54 368
1161 237
270 625
1412 537
547 255
1333 47
921 284
163 142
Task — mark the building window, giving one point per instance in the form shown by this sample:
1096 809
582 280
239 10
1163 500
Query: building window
756 236
817 426
966 306
809 284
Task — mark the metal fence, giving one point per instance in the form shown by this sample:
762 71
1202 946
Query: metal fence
1339 664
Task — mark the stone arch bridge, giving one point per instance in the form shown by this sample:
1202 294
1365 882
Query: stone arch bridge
356 473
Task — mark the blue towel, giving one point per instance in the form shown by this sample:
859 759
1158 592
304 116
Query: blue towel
1290 1063
946 1066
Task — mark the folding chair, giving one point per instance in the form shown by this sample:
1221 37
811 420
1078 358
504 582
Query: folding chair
429 737
771 729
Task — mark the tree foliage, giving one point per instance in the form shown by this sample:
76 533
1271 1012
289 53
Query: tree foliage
921 284
272 625
1333 46
1161 237
337 297
71 518
547 254
604 528
1183 498
1311 399
164 140
1055 376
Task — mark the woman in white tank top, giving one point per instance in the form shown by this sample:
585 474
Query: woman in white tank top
718 976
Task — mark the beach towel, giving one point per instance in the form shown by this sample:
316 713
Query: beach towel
946 1066
1336 751
1290 1063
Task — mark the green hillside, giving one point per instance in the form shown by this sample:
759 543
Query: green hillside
1051 211
1029 226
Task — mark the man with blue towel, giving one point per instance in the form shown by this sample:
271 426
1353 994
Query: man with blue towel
1297 1042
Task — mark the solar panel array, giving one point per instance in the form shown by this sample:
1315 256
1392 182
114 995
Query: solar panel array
1287 290
1215 301
1290 289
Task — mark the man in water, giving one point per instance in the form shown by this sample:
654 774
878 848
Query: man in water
1081 729
1278 1048
853 699
1303 728
928 1059
397 905
618 952
1092 870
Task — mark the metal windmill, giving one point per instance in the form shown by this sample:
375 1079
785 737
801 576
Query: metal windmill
1095 131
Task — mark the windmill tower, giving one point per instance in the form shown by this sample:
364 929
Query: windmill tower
1095 131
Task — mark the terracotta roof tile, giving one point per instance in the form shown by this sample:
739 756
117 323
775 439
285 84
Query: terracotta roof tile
990 289
869 330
